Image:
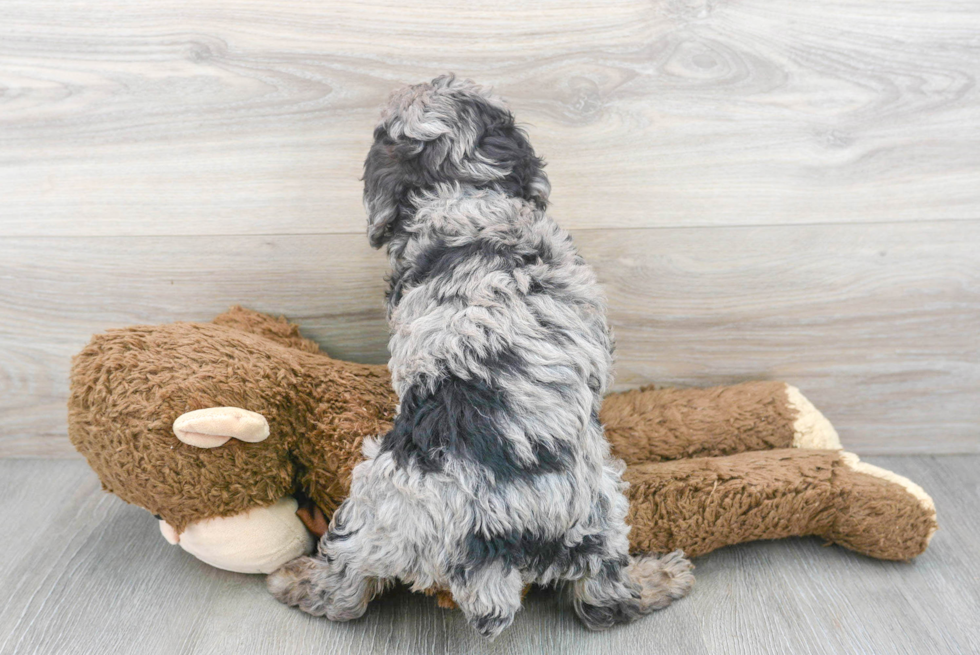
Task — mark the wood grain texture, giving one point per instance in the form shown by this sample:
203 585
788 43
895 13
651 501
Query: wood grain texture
877 324
84 573
231 117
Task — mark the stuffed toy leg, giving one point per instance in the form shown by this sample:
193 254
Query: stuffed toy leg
219 428
713 467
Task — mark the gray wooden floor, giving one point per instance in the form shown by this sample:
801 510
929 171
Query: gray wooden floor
81 572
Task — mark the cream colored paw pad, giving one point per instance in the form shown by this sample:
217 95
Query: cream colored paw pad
215 426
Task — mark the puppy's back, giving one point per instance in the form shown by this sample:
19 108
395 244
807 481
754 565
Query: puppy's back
499 348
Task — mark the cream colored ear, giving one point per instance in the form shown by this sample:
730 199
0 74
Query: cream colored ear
214 426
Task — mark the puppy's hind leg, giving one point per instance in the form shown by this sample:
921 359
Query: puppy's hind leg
489 597
336 582
621 593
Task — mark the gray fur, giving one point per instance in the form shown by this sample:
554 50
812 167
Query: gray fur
496 473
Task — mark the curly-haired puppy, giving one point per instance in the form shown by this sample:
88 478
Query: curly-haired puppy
496 473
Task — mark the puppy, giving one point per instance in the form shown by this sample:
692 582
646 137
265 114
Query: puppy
496 473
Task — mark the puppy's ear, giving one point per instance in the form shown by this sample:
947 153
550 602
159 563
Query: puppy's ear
507 147
388 179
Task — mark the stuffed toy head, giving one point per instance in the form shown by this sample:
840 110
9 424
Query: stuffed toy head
130 386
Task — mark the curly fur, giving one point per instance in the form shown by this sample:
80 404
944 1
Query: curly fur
496 473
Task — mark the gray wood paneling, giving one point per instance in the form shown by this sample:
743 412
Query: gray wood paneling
135 136
84 573
230 117
877 324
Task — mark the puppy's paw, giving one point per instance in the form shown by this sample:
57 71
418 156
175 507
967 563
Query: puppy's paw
662 579
292 584
491 625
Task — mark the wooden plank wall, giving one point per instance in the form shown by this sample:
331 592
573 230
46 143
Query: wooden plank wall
769 189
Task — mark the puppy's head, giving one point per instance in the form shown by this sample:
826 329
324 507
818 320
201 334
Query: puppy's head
445 131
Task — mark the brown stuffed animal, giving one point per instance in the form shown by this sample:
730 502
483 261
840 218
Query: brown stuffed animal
224 430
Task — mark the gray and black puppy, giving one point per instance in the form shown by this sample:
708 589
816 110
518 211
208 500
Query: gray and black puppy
496 473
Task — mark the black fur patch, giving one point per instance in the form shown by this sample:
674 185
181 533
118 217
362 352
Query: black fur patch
440 260
392 171
528 552
339 531
463 420
490 624
617 611
508 146
502 143
603 617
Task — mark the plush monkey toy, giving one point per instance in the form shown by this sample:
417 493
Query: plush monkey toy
240 436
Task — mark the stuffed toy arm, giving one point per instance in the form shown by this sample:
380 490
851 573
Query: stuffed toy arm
652 425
